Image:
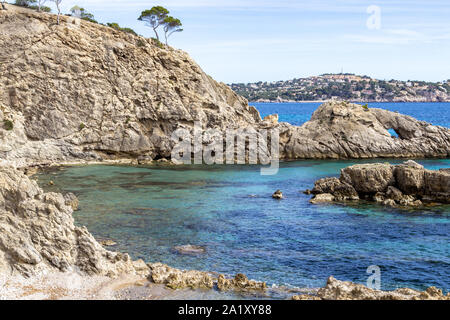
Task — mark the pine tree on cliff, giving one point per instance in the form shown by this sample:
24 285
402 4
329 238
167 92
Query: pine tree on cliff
40 3
171 25
154 18
58 7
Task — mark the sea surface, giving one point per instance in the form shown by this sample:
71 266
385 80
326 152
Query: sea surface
298 113
229 210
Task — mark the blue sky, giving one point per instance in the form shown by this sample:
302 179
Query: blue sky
268 40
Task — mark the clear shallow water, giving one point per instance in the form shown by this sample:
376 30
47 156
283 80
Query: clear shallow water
299 113
229 209
148 211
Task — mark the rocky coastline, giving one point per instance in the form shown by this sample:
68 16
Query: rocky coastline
404 185
84 94
88 93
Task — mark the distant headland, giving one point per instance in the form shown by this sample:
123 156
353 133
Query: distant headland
344 86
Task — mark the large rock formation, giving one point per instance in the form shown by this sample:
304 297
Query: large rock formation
83 91
407 184
344 130
86 91
37 234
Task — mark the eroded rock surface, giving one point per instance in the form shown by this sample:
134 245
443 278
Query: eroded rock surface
344 130
181 279
345 290
407 184
85 92
37 234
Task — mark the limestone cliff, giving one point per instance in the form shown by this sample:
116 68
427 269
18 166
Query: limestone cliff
83 91
37 234
86 91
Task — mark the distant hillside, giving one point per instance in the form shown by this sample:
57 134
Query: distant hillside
344 87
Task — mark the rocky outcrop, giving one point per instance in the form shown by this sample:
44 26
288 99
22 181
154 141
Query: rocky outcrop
345 290
37 234
82 91
86 92
240 283
277 195
407 184
342 130
181 279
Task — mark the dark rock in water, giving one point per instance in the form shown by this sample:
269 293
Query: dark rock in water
408 185
307 191
340 190
190 249
107 243
277 195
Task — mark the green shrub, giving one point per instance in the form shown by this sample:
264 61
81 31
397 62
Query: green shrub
116 26
82 126
366 107
89 19
140 43
43 8
24 3
8 125
158 43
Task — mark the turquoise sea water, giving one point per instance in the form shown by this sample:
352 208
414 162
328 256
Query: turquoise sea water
229 210
299 113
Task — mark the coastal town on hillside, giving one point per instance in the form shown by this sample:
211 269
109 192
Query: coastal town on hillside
344 86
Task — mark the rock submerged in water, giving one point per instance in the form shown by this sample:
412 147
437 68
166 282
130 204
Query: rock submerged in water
107 243
322 198
277 195
190 249
404 185
346 290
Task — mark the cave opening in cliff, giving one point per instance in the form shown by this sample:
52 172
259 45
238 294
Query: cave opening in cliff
394 134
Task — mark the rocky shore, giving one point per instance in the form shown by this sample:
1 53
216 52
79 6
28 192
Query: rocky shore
86 93
404 185
345 290
43 255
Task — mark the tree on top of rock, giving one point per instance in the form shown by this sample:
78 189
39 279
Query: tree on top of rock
171 25
24 3
58 8
82 14
154 17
